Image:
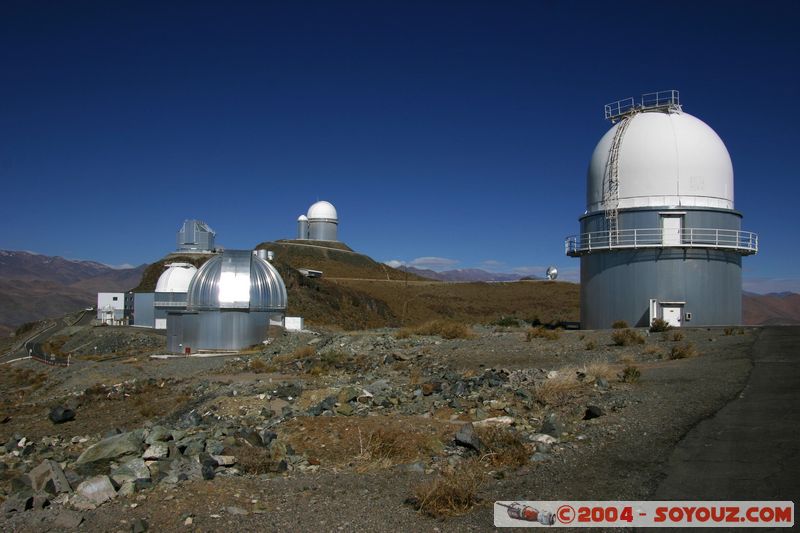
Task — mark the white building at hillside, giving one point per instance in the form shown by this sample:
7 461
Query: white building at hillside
111 308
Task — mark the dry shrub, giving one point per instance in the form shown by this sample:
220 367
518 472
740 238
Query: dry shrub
659 325
619 324
415 376
506 322
145 406
729 331
558 390
626 360
652 350
591 345
630 374
252 459
327 362
677 336
682 351
386 446
259 366
626 337
403 333
303 352
503 447
453 493
447 329
600 369
540 332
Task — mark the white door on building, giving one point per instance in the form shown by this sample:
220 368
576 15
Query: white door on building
672 315
671 230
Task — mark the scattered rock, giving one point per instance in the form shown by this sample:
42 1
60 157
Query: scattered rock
157 450
466 437
601 384
49 477
344 409
236 510
67 519
96 490
593 411
539 457
495 421
139 526
158 434
17 502
266 436
552 426
112 447
61 414
543 438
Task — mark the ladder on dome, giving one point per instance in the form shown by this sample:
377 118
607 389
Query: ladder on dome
611 189
623 111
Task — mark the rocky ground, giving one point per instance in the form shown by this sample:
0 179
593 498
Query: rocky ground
379 430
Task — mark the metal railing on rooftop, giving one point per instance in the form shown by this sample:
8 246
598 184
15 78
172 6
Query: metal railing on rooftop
664 100
743 242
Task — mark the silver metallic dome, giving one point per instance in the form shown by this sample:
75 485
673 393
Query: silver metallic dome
237 279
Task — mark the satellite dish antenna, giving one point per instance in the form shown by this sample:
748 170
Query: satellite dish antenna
552 273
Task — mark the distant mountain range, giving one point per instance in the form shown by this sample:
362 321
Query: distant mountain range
771 309
33 286
464 275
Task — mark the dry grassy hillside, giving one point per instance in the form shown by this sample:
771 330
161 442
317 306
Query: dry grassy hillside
335 262
418 302
154 270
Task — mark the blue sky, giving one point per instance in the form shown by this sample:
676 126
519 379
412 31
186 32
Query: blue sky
454 131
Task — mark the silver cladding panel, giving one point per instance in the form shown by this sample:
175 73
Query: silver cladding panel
322 229
195 235
617 285
170 299
216 330
237 279
143 313
302 229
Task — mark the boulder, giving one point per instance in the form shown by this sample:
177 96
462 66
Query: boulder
158 434
593 411
61 414
49 477
112 447
157 450
466 437
96 490
552 426
17 503
131 471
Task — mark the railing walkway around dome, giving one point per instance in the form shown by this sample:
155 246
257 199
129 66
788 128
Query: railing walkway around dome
743 242
661 100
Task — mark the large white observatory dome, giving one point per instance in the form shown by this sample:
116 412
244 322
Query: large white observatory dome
322 210
176 277
668 159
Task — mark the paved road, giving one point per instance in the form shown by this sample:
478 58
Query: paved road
750 449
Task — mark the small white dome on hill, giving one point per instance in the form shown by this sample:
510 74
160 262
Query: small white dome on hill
322 210
176 277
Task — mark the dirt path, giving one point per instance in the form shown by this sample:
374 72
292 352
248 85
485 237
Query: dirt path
750 449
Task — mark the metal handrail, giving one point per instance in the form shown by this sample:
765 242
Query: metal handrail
743 242
666 100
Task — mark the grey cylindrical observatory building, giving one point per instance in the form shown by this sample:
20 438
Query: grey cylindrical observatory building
660 237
